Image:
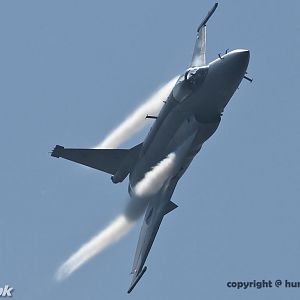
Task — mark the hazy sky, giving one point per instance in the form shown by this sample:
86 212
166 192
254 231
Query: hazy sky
70 71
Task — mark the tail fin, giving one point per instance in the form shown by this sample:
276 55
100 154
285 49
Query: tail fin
118 162
198 59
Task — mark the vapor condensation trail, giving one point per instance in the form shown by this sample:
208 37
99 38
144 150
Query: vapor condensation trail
153 181
136 121
112 233
123 223
150 184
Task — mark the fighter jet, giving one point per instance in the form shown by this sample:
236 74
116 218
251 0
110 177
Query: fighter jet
191 114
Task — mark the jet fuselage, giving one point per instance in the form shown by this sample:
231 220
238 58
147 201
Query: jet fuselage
194 106
191 114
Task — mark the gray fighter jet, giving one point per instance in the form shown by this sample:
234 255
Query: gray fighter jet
190 115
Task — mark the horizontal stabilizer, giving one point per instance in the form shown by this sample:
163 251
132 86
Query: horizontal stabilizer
170 206
106 160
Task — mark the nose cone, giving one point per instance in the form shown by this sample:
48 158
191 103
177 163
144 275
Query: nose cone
231 67
226 73
239 58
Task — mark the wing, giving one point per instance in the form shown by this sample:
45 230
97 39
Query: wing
198 59
117 162
156 210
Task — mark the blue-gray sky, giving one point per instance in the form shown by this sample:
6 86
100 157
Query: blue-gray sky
72 70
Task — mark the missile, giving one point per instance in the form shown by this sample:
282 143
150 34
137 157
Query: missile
136 280
150 117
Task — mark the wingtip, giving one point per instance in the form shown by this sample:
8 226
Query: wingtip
56 152
136 280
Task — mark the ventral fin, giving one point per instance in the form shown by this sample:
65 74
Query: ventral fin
170 206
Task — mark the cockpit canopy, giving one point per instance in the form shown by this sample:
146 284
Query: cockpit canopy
189 81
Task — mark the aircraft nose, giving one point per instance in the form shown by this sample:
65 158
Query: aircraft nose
240 58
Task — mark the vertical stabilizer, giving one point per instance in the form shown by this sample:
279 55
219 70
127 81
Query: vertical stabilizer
198 59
